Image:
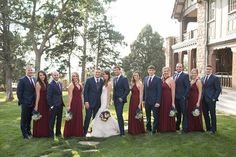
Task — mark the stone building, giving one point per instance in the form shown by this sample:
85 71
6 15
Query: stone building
207 36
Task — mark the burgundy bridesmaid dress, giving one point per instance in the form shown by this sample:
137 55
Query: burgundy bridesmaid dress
165 122
74 127
135 126
41 126
194 123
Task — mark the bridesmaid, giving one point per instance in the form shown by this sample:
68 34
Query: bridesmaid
135 126
165 122
41 126
194 100
74 127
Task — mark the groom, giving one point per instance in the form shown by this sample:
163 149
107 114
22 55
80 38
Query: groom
92 97
120 93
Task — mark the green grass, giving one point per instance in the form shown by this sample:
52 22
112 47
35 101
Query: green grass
223 144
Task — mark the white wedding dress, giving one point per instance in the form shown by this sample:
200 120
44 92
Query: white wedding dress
101 128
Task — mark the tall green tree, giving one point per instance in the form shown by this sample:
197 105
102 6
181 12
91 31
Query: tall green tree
104 40
146 50
10 48
39 19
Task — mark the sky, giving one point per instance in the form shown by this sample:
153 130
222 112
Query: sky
130 16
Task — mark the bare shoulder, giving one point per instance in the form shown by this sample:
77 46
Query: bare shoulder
199 82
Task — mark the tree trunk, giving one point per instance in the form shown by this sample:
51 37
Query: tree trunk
8 83
38 55
69 66
84 57
98 48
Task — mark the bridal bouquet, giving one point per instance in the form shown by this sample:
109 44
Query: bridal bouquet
139 114
196 112
105 115
173 112
68 115
36 115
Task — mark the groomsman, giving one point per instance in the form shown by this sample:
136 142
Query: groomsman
181 93
120 93
55 102
211 92
26 99
152 98
92 97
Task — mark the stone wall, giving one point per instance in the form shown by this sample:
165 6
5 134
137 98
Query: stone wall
201 37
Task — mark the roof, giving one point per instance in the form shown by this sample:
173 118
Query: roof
178 7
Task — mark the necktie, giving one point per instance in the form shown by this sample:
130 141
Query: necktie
59 86
149 81
31 82
116 80
206 79
97 83
177 76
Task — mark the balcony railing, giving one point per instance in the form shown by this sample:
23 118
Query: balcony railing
225 79
187 36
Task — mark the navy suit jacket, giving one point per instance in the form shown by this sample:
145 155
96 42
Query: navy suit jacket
120 89
212 88
92 95
182 86
54 94
152 93
25 92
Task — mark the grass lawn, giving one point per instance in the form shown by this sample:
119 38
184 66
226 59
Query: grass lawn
223 144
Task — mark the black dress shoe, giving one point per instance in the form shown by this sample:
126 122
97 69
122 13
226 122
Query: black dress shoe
26 137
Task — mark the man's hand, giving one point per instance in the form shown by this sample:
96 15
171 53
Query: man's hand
120 100
86 105
157 105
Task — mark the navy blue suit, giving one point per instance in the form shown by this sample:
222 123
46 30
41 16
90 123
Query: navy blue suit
55 102
120 90
92 95
151 96
181 92
211 92
26 99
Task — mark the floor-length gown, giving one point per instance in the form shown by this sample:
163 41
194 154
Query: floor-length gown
41 126
165 122
135 126
74 127
194 123
104 128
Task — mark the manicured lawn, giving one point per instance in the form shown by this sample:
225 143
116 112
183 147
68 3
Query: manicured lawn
223 144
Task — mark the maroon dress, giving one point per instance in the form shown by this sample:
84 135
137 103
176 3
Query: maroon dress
135 126
74 127
165 122
41 126
194 123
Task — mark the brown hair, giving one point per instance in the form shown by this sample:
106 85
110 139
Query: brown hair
151 67
45 80
107 72
76 75
117 67
133 80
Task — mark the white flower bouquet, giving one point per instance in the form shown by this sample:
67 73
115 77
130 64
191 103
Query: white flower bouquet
139 114
173 112
196 112
68 115
36 115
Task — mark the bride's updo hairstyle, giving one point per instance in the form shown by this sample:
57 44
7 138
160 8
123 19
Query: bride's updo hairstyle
107 72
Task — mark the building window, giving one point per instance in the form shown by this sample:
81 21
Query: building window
232 5
212 5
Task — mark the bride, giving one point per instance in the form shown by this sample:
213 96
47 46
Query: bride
110 127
